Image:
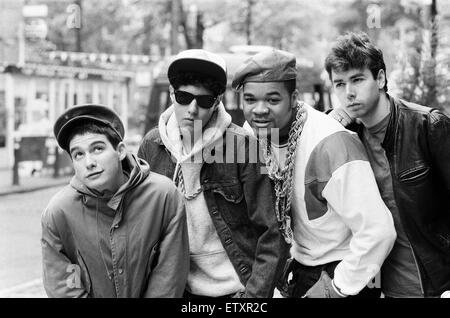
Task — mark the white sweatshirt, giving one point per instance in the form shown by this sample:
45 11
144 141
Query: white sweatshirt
211 271
337 209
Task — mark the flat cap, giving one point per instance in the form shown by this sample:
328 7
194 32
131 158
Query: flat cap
267 66
80 114
201 62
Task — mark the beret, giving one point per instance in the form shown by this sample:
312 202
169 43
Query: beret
267 66
79 114
199 61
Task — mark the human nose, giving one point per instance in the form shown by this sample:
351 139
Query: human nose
260 109
193 107
90 161
350 92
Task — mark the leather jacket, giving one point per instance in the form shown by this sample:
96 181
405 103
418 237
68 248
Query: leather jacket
417 145
240 201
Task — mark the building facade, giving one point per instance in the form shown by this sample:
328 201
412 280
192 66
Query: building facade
34 95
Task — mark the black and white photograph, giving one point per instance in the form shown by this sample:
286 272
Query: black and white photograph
228 154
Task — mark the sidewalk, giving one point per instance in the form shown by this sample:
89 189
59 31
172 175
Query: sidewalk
32 289
28 183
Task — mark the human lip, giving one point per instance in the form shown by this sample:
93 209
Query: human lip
353 105
94 175
261 123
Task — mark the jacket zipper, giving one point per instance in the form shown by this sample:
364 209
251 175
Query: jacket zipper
409 243
417 267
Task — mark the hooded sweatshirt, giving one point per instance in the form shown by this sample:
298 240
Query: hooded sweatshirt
211 271
129 244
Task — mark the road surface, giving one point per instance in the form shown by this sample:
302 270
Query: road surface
20 250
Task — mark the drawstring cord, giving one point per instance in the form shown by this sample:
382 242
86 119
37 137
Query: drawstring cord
98 241
178 180
176 177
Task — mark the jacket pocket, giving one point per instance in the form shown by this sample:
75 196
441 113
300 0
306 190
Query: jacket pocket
85 277
232 194
229 200
415 174
153 258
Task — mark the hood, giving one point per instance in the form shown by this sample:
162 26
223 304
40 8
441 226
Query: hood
135 168
212 133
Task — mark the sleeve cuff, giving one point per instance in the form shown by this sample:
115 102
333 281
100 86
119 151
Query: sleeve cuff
337 290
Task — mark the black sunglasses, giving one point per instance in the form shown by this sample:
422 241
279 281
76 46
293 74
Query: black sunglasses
203 101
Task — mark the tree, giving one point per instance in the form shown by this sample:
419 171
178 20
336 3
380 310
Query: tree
422 75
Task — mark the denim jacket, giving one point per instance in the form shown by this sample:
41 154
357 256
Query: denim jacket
240 201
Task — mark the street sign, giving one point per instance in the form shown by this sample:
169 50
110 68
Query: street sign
35 11
36 29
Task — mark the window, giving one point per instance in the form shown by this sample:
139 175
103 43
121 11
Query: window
20 116
88 98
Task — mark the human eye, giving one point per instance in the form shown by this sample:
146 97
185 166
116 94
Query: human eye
274 101
77 155
339 85
98 148
358 79
249 99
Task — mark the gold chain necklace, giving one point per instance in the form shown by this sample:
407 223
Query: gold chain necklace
283 177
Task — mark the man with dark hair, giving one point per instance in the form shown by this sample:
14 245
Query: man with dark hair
117 230
235 246
341 229
409 151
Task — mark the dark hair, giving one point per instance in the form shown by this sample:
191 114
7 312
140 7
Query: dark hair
354 50
191 78
94 128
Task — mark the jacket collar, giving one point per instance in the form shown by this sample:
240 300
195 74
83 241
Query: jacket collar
392 125
137 171
170 135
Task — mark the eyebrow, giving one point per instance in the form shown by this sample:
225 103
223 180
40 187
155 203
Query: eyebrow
351 77
357 75
269 93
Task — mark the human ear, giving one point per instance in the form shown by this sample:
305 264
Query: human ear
381 79
294 98
171 92
122 150
219 100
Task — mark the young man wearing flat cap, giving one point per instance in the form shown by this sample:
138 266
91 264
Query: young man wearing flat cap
332 212
118 230
236 249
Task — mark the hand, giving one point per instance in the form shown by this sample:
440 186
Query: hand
323 288
239 294
341 116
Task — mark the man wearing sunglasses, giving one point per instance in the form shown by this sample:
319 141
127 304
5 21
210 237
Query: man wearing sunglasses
236 248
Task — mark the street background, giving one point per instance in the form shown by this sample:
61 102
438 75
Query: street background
20 251
58 53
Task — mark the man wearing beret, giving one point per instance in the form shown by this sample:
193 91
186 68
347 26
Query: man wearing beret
118 230
236 249
327 197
